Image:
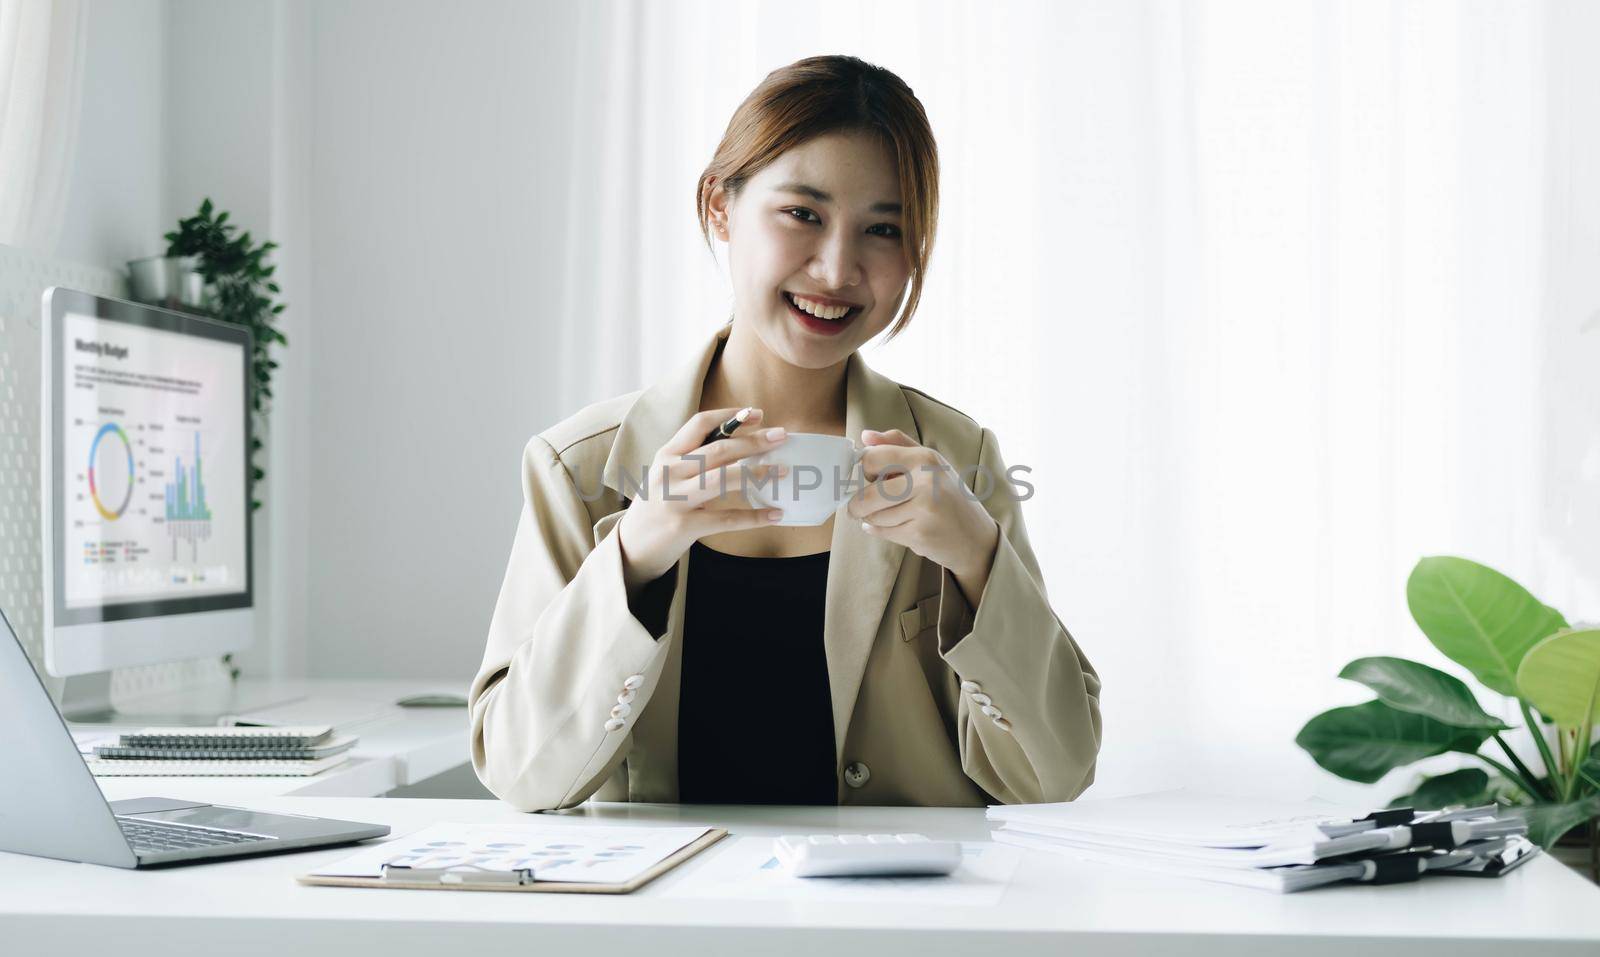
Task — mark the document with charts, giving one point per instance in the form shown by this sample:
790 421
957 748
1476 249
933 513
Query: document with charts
579 854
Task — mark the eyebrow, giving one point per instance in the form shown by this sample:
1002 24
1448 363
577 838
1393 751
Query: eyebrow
821 197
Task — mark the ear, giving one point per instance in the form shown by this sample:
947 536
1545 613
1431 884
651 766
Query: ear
718 208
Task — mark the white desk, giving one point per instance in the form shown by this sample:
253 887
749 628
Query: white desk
398 746
1053 906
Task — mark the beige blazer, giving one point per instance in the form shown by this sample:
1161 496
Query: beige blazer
576 699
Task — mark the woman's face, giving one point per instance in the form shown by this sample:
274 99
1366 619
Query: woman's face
820 225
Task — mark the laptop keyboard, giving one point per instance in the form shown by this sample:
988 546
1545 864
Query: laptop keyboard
157 837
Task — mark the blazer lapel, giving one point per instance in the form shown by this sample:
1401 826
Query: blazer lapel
655 417
862 568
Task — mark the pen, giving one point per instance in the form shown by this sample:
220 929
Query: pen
726 429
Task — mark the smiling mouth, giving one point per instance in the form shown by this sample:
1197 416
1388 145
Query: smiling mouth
854 311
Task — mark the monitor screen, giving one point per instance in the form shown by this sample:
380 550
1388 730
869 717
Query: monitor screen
150 447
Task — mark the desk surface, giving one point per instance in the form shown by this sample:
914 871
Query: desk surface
1053 905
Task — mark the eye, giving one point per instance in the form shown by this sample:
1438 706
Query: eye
800 213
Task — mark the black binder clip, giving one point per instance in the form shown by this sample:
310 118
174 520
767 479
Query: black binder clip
1390 817
1395 868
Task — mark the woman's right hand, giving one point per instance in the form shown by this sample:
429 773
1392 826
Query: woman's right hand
693 491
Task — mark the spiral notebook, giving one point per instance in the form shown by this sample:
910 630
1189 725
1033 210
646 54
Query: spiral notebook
272 737
226 752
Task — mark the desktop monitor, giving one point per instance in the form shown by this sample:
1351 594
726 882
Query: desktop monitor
146 485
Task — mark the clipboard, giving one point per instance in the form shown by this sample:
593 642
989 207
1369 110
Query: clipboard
457 879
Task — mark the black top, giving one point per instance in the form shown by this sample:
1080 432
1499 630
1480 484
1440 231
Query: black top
755 718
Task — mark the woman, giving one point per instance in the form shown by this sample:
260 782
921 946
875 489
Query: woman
658 639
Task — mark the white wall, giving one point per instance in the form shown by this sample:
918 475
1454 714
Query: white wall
1569 444
115 210
436 183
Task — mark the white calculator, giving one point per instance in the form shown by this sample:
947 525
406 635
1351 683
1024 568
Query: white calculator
865 855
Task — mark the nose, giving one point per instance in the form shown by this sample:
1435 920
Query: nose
835 265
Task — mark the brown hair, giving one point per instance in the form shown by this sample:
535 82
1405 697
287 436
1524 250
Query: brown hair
828 94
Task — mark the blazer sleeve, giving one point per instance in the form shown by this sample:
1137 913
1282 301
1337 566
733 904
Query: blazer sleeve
569 665
1014 656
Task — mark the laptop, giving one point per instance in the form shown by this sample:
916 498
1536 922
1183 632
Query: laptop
50 805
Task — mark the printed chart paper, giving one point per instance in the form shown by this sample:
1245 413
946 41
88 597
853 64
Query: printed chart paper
577 854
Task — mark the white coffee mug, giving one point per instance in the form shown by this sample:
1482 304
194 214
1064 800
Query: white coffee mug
823 474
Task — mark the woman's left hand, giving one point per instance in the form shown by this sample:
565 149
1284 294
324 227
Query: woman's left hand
921 503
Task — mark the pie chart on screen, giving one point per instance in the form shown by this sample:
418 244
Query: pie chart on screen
111 471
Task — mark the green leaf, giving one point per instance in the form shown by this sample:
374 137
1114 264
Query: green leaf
1547 822
1467 786
1366 741
1419 689
1478 617
1561 677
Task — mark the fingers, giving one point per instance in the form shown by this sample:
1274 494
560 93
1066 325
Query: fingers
711 521
892 516
893 457
891 437
727 451
882 493
693 432
696 487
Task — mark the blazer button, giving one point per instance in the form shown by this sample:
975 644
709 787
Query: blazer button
614 724
633 682
981 700
970 687
856 774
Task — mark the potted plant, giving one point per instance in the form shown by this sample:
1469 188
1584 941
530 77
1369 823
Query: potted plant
1512 644
209 270
170 281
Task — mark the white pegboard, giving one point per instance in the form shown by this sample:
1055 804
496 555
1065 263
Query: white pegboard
24 276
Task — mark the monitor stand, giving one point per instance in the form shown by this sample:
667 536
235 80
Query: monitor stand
86 699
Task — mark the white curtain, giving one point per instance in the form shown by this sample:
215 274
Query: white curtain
1260 290
41 69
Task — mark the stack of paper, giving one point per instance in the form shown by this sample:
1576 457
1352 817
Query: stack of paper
213 752
1277 845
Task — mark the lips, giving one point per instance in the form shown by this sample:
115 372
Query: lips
826 327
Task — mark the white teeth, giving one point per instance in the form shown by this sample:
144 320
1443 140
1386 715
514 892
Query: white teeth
831 313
